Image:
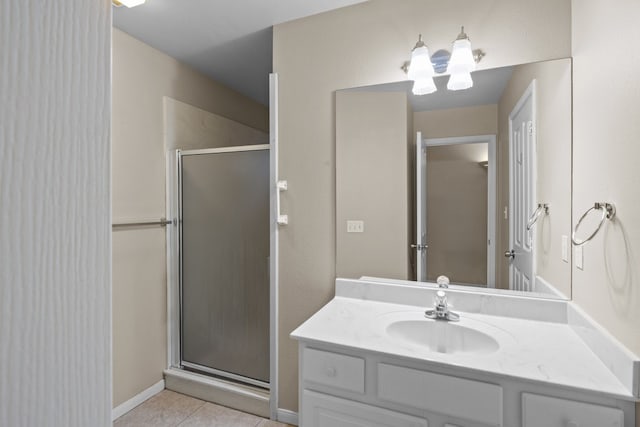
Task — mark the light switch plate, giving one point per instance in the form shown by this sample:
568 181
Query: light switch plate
579 257
355 226
565 248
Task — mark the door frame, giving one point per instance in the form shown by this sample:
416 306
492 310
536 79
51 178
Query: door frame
528 94
490 140
273 246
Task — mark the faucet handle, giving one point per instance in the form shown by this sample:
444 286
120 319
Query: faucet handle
442 281
441 298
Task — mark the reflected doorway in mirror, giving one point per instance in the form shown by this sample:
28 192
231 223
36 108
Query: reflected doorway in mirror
455 208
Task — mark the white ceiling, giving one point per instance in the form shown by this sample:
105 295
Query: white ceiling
228 40
488 86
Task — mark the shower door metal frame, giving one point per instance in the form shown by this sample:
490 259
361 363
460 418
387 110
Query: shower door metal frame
177 341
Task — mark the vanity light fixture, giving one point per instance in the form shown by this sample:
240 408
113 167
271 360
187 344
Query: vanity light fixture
459 64
128 3
421 69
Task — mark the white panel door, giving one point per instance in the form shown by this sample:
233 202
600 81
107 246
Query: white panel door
522 192
320 410
421 209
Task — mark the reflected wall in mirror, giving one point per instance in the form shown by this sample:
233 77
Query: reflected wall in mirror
459 176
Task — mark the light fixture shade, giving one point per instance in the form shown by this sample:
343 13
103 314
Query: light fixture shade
462 60
460 81
130 3
424 86
420 66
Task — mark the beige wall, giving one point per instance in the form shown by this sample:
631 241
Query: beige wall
553 156
606 153
372 185
357 46
457 213
141 77
466 121
190 128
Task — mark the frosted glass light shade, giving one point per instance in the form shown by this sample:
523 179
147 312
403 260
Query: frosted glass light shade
461 57
131 3
424 86
460 81
420 66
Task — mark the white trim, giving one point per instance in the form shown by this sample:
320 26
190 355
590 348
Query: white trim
273 246
474 139
490 140
421 208
286 416
136 400
230 149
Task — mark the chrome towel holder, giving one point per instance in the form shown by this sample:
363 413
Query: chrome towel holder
542 208
608 212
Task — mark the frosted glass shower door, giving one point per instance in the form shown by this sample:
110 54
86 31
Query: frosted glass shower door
224 233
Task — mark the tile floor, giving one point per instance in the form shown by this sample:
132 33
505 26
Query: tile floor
171 409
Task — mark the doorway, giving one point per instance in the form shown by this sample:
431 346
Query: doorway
456 190
223 262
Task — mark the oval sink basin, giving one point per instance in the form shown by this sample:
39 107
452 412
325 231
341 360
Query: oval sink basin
442 337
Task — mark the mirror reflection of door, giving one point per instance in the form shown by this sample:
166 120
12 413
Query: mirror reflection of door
421 245
456 206
522 189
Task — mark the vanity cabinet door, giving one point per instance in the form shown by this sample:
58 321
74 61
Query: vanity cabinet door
541 411
459 398
321 410
333 369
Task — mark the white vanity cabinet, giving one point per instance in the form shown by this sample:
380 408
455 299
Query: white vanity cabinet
341 387
369 358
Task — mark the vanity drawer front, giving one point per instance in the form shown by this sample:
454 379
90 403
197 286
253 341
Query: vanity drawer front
457 397
332 369
541 411
321 410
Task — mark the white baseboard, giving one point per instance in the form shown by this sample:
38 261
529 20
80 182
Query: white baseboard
286 416
136 400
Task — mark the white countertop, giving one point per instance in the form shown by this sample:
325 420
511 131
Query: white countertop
533 350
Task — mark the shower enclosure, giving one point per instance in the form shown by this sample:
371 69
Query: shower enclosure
222 257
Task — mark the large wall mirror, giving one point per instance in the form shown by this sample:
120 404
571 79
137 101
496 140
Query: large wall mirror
472 184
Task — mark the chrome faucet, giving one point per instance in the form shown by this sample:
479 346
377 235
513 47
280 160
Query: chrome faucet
441 309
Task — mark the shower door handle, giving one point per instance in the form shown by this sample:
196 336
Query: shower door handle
280 187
